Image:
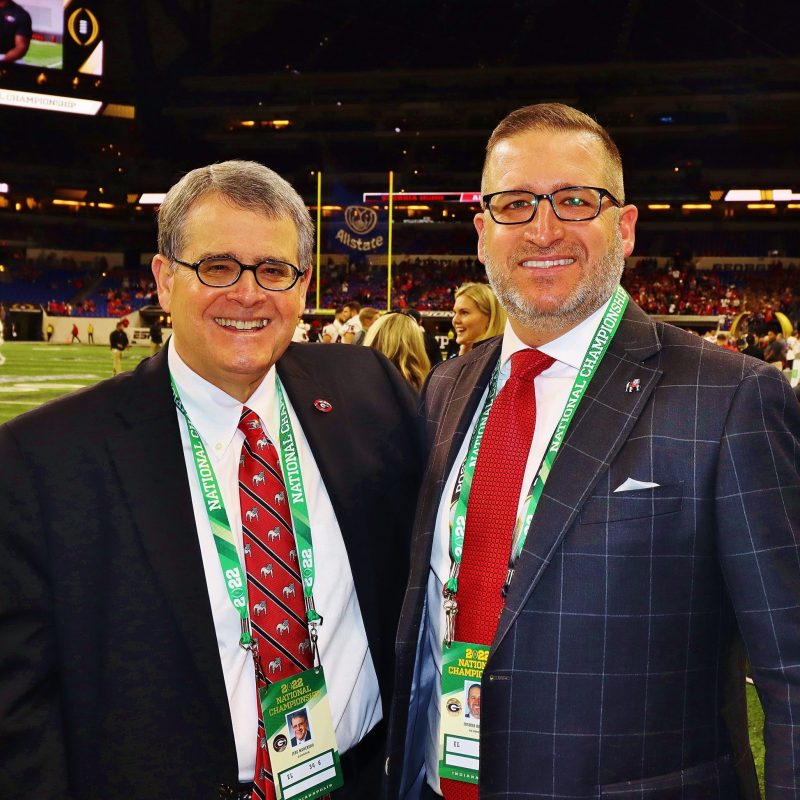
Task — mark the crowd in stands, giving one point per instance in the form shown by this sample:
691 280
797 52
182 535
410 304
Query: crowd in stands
67 288
678 287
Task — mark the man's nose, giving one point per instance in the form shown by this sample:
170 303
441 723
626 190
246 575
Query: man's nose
545 228
246 289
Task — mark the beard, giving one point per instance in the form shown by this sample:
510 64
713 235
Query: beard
599 279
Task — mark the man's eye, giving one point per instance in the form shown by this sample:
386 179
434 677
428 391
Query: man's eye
217 267
573 201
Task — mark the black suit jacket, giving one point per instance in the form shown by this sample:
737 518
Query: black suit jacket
110 678
617 666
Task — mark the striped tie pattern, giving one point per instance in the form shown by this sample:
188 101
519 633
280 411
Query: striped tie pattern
275 593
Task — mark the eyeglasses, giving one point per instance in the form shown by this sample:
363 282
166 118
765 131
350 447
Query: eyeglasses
219 272
572 204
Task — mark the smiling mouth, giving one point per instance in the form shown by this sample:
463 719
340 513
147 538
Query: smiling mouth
544 263
242 324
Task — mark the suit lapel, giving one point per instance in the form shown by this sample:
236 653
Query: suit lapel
148 458
450 405
599 429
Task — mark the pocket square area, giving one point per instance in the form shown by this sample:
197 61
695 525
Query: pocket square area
631 485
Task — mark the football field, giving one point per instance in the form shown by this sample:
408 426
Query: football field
35 372
44 54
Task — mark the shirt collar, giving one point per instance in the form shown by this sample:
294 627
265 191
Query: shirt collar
214 413
569 348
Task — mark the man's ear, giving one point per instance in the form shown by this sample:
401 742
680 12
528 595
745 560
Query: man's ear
480 225
162 272
627 227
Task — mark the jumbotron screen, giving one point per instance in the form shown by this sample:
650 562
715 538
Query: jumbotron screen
52 51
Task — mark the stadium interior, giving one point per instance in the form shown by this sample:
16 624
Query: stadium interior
702 98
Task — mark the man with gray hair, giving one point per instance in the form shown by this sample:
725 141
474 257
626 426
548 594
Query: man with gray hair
159 627
610 519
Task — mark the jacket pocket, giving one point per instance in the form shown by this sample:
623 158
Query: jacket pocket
638 504
712 780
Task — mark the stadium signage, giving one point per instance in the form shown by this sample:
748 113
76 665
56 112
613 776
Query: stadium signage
361 220
49 102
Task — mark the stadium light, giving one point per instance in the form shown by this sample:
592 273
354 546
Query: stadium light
659 206
742 195
4 188
152 198
761 205
696 206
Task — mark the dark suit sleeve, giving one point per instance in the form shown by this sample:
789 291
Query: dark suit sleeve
32 758
758 511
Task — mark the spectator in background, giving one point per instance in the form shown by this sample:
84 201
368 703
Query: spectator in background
751 348
366 316
432 349
724 342
15 31
49 331
90 333
476 315
398 336
156 337
300 330
775 349
332 332
119 344
75 334
352 327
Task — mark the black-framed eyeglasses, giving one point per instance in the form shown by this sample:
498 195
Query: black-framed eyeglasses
221 271
571 204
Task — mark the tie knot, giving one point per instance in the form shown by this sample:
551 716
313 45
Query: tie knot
527 364
250 425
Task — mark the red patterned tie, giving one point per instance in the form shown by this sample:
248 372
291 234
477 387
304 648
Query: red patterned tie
277 610
492 513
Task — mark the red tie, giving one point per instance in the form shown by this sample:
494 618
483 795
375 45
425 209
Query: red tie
275 594
492 513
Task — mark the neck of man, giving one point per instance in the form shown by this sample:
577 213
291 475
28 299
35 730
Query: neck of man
538 335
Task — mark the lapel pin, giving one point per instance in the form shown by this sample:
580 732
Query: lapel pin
323 405
633 386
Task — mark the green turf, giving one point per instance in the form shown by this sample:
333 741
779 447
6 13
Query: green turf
44 54
34 373
755 716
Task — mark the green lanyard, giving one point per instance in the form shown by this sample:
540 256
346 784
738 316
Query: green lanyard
298 507
234 575
458 514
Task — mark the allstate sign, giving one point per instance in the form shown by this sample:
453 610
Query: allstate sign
361 220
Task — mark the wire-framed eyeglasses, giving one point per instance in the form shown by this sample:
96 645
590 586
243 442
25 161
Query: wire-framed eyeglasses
221 271
571 204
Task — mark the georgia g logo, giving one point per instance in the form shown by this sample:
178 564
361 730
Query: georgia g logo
360 219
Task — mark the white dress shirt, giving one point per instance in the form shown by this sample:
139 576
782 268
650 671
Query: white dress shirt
350 675
552 389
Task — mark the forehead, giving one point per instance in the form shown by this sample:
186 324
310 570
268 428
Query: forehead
466 302
542 160
216 226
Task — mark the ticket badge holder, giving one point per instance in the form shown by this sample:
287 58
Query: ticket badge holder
462 669
300 736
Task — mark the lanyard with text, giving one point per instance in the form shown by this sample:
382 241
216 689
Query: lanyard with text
458 514
234 575
298 507
235 580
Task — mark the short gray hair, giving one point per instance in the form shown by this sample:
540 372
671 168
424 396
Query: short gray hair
246 184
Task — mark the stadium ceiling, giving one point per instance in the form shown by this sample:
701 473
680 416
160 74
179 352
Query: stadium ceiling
701 95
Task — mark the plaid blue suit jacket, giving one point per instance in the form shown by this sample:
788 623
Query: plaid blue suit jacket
617 670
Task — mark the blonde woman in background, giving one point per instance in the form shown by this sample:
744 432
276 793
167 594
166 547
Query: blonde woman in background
400 339
476 315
